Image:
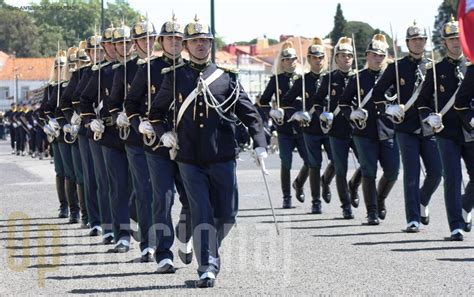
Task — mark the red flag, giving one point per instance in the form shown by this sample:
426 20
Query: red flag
466 27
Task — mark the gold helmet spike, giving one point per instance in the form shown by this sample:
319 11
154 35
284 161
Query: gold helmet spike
378 45
344 45
287 50
316 48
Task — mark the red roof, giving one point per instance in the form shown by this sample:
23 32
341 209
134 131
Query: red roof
27 68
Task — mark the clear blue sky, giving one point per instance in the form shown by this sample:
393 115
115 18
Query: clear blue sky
246 19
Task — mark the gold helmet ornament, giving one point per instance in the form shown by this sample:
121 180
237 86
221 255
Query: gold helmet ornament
94 42
172 28
141 28
81 53
287 50
415 31
108 33
317 48
450 29
196 29
378 45
344 46
122 33
60 59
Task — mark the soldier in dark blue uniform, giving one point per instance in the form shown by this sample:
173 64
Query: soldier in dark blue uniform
438 114
20 131
464 106
314 138
11 126
40 136
134 144
413 142
164 172
334 123
290 134
52 128
374 137
28 122
208 100
83 75
92 111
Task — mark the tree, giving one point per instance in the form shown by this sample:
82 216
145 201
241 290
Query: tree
340 23
447 9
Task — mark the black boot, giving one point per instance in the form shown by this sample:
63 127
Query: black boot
71 195
466 213
383 189
285 176
370 198
343 192
298 184
82 205
326 179
315 185
61 190
354 184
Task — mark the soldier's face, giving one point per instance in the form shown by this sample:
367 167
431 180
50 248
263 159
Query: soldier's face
416 45
454 46
172 45
199 47
316 63
122 49
344 61
375 61
288 65
109 49
141 45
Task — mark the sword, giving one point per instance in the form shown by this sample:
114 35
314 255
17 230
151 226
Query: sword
435 85
303 87
174 150
396 120
360 124
326 126
277 93
97 135
124 131
264 173
148 139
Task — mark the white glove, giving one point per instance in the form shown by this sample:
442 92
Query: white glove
67 128
395 110
169 139
15 125
434 120
146 128
305 117
48 130
359 114
122 120
53 123
472 123
327 117
74 129
260 154
76 119
29 126
296 117
277 114
35 122
97 126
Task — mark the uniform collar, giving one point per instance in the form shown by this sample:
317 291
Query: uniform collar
288 74
455 62
414 60
169 60
375 72
199 67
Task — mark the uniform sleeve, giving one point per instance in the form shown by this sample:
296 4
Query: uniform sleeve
345 101
378 94
464 97
88 97
268 93
249 115
290 97
81 85
137 93
318 99
65 104
117 93
160 106
424 102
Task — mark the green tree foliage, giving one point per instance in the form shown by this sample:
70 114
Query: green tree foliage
340 25
447 9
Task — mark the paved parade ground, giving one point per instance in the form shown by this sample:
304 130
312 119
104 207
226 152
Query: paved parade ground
314 254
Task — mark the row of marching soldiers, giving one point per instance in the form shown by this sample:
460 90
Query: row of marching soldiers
409 108
131 129
25 129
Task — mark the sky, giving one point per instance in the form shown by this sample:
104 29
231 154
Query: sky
243 20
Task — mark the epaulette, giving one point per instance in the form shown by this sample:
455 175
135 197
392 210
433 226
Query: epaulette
64 84
53 84
141 61
296 76
72 70
468 63
117 65
96 66
154 58
229 69
169 69
429 65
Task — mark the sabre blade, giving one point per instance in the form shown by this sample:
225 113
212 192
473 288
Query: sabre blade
396 64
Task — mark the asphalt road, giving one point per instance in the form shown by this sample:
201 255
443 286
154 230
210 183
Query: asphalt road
314 254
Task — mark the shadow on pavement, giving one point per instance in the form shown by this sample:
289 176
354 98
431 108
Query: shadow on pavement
94 276
128 289
59 255
356 234
76 264
38 237
456 259
398 241
322 227
440 248
51 246
26 219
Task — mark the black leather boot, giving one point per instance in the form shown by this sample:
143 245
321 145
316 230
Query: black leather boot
315 185
285 176
370 198
298 183
82 205
326 179
383 189
466 212
343 192
72 199
61 190
354 184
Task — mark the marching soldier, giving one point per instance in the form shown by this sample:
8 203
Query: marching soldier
203 138
92 109
334 124
123 78
40 136
164 171
20 130
373 136
464 106
71 132
290 135
28 121
444 78
406 76
91 191
10 123
314 138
